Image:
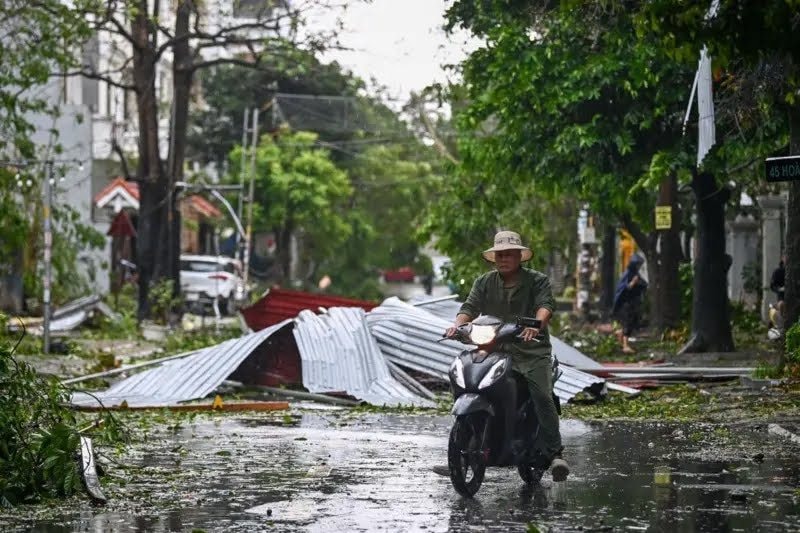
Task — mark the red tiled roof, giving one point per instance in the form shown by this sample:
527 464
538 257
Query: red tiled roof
200 204
280 304
204 207
131 187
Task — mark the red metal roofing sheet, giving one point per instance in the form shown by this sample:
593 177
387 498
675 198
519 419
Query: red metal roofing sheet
280 304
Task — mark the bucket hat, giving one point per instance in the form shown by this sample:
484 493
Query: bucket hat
507 240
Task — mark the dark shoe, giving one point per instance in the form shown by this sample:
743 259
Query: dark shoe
559 469
442 470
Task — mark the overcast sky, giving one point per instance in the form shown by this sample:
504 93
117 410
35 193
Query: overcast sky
400 43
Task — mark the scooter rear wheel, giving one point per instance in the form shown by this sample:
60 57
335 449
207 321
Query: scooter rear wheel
464 454
530 475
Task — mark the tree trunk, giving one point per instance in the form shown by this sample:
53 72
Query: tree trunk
668 256
711 325
182 74
792 296
153 207
608 277
285 250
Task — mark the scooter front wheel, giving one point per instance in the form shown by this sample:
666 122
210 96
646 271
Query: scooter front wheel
465 455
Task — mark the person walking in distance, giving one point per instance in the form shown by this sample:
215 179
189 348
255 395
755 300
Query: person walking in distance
628 300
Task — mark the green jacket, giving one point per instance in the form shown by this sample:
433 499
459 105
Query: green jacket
532 292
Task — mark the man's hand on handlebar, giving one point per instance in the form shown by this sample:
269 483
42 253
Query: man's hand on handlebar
450 332
529 334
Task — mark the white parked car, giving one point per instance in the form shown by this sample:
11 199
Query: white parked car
206 278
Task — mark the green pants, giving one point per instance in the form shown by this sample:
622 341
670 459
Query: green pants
538 371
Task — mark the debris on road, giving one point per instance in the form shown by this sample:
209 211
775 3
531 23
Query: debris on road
217 405
668 372
343 350
340 355
301 395
65 318
89 471
775 429
182 379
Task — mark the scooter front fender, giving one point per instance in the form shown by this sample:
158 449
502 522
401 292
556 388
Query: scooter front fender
472 403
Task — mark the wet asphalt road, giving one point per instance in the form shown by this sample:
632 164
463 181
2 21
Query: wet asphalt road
331 471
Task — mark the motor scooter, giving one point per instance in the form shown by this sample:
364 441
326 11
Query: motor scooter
496 424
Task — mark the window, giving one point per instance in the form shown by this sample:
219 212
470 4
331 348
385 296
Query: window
256 8
207 266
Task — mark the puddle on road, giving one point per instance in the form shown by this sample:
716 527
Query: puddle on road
373 472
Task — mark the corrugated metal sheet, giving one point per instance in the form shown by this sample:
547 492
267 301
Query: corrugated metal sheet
340 355
408 336
282 304
190 378
446 309
66 317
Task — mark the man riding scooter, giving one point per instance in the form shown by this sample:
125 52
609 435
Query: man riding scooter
511 291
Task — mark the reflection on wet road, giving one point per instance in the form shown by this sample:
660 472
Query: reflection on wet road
372 472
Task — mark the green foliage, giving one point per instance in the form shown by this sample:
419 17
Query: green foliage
38 440
594 344
230 89
666 403
793 345
564 106
764 370
751 278
299 189
368 225
162 300
45 37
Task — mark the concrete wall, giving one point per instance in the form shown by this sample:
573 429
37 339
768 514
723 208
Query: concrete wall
73 179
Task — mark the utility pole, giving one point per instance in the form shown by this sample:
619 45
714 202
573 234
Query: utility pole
48 246
242 174
249 235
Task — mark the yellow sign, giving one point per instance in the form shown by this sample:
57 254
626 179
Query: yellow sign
663 216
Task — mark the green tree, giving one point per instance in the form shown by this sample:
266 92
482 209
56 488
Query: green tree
150 32
299 192
39 41
392 184
38 46
754 48
565 101
228 90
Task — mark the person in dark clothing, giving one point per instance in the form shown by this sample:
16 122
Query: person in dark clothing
778 285
778 282
507 292
628 299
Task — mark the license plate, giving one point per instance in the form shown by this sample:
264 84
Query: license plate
192 297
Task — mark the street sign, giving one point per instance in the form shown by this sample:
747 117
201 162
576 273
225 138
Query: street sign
663 216
783 168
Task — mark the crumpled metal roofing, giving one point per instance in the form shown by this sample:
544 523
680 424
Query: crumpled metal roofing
408 336
445 308
190 378
340 355
68 316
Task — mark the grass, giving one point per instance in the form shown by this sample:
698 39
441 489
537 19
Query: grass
679 402
713 403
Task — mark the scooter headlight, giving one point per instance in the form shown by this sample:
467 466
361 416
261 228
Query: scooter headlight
457 373
481 335
497 370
